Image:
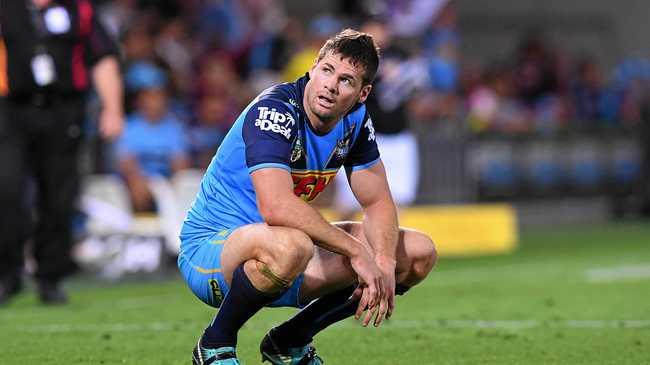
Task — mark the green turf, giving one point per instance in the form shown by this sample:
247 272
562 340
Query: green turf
536 306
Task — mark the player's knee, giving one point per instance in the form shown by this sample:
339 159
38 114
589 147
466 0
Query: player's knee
425 256
295 249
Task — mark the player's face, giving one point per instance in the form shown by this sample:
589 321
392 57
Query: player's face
335 86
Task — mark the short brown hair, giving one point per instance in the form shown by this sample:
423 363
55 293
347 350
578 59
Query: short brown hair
358 47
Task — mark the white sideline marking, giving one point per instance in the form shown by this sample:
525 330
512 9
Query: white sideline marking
619 273
400 324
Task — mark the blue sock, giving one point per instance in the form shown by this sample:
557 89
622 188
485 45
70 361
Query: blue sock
318 315
240 304
401 289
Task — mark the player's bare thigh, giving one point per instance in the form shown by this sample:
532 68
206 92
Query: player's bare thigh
268 244
328 271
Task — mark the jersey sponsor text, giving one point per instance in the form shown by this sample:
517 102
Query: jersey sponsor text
307 185
274 121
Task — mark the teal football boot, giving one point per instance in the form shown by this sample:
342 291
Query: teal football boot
219 356
272 353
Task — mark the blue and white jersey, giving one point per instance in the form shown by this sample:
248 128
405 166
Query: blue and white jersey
154 145
274 131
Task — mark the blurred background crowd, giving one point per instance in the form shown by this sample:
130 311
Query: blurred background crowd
537 118
540 106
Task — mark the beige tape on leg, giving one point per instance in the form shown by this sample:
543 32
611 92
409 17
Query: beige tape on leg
278 282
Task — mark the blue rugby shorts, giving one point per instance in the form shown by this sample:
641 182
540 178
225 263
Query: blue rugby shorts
199 262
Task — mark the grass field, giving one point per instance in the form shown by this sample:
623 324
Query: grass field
572 295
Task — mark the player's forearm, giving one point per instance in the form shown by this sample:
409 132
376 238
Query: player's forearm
380 227
108 83
295 213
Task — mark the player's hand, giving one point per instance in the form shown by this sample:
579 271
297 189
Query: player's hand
111 123
378 312
370 279
387 265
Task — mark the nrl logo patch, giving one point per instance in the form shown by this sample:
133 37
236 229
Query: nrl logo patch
342 148
296 150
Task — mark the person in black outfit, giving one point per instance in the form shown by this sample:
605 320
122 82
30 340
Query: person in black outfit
50 52
387 103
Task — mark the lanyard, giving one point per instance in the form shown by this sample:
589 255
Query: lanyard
39 26
43 67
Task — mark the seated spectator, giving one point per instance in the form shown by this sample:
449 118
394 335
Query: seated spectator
217 76
534 72
493 107
153 142
212 122
173 45
440 48
588 92
320 29
631 79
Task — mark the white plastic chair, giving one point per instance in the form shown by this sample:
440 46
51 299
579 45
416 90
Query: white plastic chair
186 185
105 200
166 202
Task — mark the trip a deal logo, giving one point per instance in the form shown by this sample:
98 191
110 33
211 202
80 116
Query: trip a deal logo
308 184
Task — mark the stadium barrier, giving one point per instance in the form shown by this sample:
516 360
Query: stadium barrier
115 241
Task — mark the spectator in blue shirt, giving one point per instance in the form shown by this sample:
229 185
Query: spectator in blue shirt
154 140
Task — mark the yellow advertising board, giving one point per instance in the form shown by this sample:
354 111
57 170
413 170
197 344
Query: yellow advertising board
463 230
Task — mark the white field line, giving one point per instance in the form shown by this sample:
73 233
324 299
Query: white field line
397 324
618 273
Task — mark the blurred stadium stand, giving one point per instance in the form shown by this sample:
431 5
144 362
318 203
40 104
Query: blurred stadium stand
536 104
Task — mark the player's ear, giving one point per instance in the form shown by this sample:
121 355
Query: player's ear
365 91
